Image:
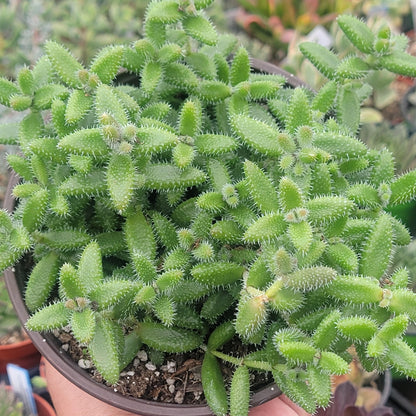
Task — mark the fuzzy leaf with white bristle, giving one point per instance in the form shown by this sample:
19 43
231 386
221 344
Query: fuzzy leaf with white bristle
169 279
41 281
155 33
154 140
400 278
137 225
402 357
200 29
58 110
211 202
227 231
107 63
299 392
352 68
104 349
286 300
7 90
403 301
310 278
92 183
165 310
214 144
165 176
40 169
299 111
183 155
163 12
63 239
326 333
90 266
321 180
181 76
240 67
217 273
348 108
356 289
202 64
46 147
261 188
256 134
323 59
340 147
324 99
383 169
190 118
63 63
81 164
173 340
213 91
165 230
35 210
44 96
357 32
297 351
326 209
110 292
31 127
20 102
393 328
251 315
340 255
403 188
301 235
221 335
25 189
320 385
213 385
333 364
377 248
240 392
83 325
364 195
120 180
151 75
290 195
266 228
400 63
53 316
170 52
86 142
143 266
107 102
77 106
219 174
70 284
215 305
357 328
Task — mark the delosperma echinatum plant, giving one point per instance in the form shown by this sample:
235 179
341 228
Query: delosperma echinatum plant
207 204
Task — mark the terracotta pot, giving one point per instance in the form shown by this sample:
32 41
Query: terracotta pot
43 407
78 380
22 353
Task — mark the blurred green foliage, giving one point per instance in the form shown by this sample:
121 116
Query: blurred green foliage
84 26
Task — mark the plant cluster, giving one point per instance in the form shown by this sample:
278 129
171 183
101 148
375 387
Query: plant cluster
208 204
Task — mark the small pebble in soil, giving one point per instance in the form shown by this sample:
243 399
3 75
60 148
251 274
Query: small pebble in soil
179 396
142 355
85 364
150 366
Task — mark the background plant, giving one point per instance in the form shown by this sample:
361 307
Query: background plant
205 204
9 321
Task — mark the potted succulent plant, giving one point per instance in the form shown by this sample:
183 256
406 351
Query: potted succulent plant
207 210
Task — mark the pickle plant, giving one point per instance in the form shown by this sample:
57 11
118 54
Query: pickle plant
205 204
